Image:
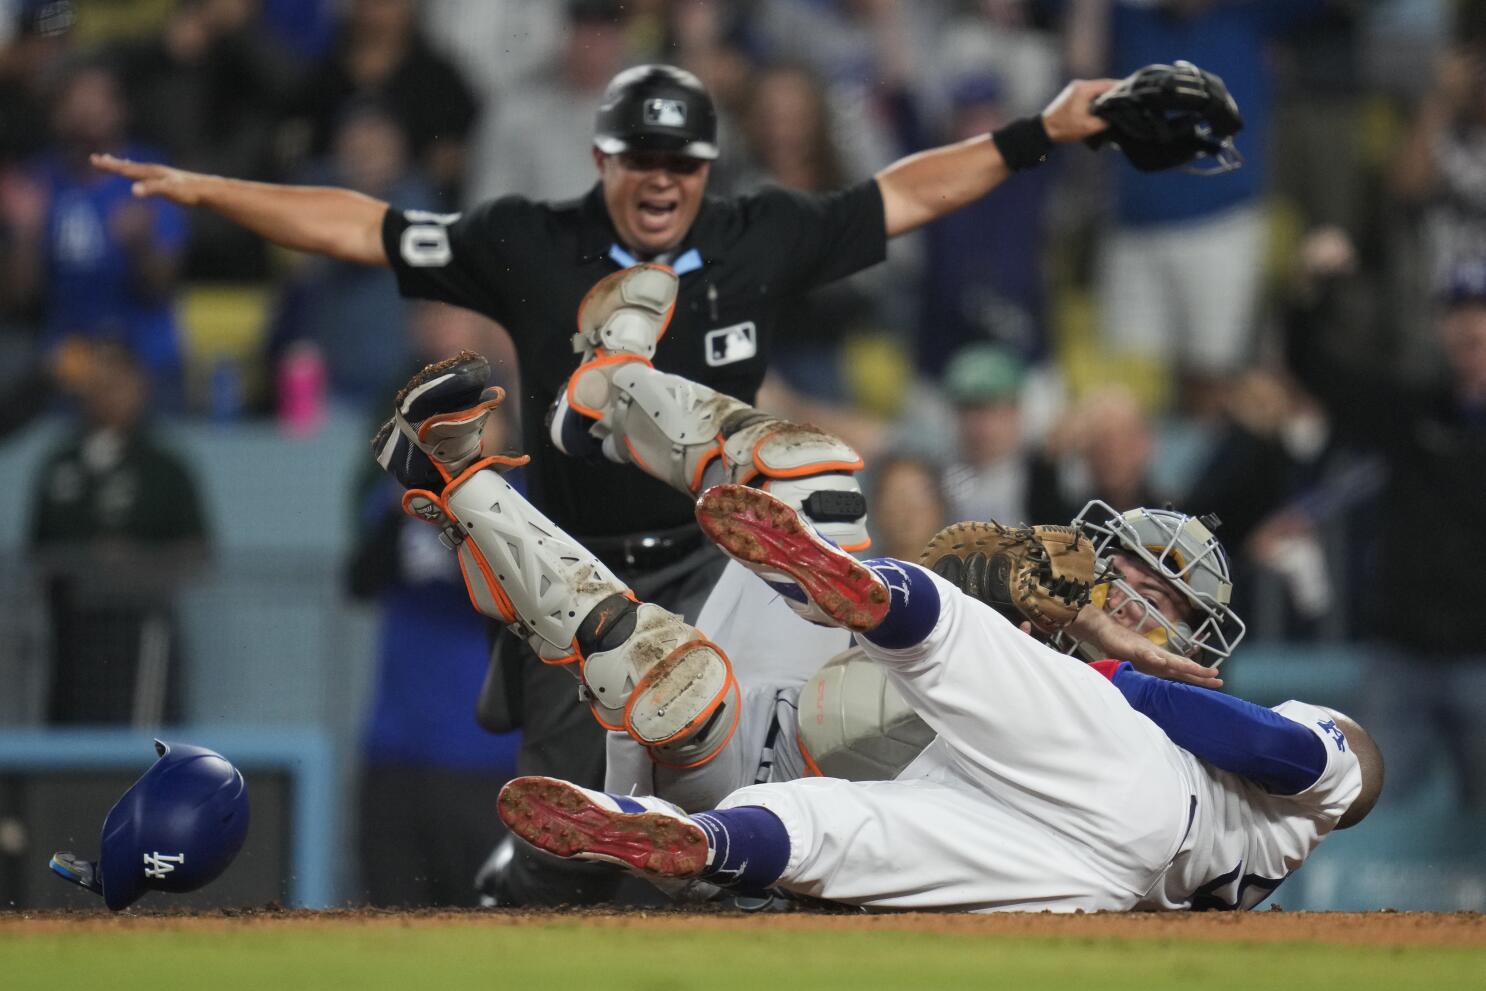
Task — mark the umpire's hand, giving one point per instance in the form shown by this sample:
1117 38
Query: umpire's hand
176 185
1070 116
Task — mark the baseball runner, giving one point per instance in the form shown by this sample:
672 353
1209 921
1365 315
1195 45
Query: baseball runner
1047 786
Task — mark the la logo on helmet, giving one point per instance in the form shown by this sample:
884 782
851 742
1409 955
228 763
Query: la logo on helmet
157 864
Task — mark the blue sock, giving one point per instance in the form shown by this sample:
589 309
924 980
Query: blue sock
749 844
913 606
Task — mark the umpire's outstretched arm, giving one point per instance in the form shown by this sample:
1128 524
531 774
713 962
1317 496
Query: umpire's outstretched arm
348 225
320 219
924 187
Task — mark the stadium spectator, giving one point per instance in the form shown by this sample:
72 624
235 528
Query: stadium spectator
787 127
429 773
1179 274
40 38
1441 168
1102 448
304 29
116 526
979 288
906 494
1427 685
352 313
991 473
99 263
382 56
867 54
526 35
1273 477
208 91
531 142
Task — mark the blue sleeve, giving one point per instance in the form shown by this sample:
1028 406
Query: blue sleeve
1257 743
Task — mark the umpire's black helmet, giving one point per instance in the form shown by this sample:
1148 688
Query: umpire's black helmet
656 108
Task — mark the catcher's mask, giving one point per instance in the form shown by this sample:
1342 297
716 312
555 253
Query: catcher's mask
177 828
1182 550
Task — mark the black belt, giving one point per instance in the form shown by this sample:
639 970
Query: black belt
645 551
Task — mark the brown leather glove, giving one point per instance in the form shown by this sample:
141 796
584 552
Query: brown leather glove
1040 574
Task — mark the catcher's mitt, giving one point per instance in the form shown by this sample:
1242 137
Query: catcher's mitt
1165 116
1038 573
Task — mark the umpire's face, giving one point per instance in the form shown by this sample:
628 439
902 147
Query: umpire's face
652 196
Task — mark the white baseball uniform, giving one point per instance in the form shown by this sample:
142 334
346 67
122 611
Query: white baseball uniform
1044 790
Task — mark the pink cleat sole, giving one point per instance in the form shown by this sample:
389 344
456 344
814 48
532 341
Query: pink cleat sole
563 819
756 528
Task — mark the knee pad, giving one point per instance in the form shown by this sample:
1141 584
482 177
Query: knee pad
804 466
627 312
691 436
854 724
652 675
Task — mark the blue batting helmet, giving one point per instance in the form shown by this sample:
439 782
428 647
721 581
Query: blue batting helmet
175 829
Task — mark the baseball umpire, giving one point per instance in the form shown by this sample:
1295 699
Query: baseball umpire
742 262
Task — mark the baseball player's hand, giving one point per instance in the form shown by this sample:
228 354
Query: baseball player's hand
1070 117
176 185
1095 627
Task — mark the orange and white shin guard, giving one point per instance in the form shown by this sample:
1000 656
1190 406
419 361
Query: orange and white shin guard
643 670
686 434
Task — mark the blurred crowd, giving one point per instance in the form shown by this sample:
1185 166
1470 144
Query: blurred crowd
1298 346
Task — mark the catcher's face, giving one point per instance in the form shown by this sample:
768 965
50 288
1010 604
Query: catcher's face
1152 593
652 197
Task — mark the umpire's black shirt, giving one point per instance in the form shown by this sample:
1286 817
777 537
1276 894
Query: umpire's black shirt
527 265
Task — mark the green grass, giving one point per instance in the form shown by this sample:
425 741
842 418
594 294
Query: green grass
534 957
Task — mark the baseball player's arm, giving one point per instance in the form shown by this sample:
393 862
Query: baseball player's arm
1269 749
335 222
1095 626
924 187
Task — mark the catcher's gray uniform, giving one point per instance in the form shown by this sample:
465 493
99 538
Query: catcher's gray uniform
774 653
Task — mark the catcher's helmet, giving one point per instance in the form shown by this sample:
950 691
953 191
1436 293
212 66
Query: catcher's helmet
656 108
1181 549
175 829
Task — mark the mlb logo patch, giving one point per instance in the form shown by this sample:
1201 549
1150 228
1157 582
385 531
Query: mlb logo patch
665 113
729 344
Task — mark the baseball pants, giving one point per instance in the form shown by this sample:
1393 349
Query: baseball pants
1044 789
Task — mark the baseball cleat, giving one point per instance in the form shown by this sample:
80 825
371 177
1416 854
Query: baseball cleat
443 387
437 423
641 832
769 537
402 459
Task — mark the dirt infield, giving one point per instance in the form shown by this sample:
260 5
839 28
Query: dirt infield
1348 929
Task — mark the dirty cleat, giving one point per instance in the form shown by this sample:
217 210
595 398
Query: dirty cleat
769 537
641 832
403 460
443 387
442 412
